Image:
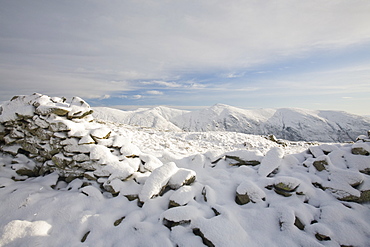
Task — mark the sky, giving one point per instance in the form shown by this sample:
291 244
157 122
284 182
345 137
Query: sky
189 54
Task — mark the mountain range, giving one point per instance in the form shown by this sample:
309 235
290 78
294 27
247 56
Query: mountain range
286 123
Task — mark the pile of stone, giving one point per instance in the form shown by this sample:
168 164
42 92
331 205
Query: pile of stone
46 134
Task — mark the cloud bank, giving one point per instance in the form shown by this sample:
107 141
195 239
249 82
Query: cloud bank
142 47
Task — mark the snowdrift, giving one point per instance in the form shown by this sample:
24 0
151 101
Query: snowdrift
66 179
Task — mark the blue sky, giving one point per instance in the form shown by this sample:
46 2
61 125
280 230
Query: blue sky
189 54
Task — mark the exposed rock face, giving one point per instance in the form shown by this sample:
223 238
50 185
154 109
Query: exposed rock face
64 138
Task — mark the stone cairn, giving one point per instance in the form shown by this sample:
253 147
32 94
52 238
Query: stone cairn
47 135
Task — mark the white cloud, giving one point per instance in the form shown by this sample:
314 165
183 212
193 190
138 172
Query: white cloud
137 96
23 80
154 92
162 83
106 96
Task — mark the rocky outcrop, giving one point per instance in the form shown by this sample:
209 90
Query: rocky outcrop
64 138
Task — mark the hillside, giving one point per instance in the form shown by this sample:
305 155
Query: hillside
287 123
68 179
158 117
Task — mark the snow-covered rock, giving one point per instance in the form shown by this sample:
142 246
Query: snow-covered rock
85 182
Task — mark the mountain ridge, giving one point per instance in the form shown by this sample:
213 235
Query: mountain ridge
294 124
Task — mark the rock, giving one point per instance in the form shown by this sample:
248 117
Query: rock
59 126
31 148
130 150
12 149
178 216
118 221
43 134
316 151
86 140
79 108
182 177
61 161
205 240
298 223
90 176
364 189
182 196
77 148
40 122
101 133
84 237
321 163
24 171
9 140
2 131
365 196
241 157
242 199
16 134
149 162
273 139
343 192
156 181
45 110
81 157
361 149
322 237
113 186
209 195
248 191
363 138
271 161
236 161
286 185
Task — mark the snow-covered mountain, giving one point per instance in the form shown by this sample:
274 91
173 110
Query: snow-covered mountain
158 117
286 123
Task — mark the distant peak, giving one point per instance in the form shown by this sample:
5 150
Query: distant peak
220 105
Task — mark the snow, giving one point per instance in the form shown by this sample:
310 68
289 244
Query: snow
271 161
139 178
286 123
254 193
157 180
21 230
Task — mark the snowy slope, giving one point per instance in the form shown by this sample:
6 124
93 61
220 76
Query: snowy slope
68 180
158 117
287 123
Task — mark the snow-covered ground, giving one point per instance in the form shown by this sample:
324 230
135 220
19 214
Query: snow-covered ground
69 180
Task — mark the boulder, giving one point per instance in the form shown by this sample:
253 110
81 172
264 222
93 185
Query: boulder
321 163
79 108
285 186
45 110
101 133
178 216
361 148
157 180
182 177
59 126
249 192
61 161
182 196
